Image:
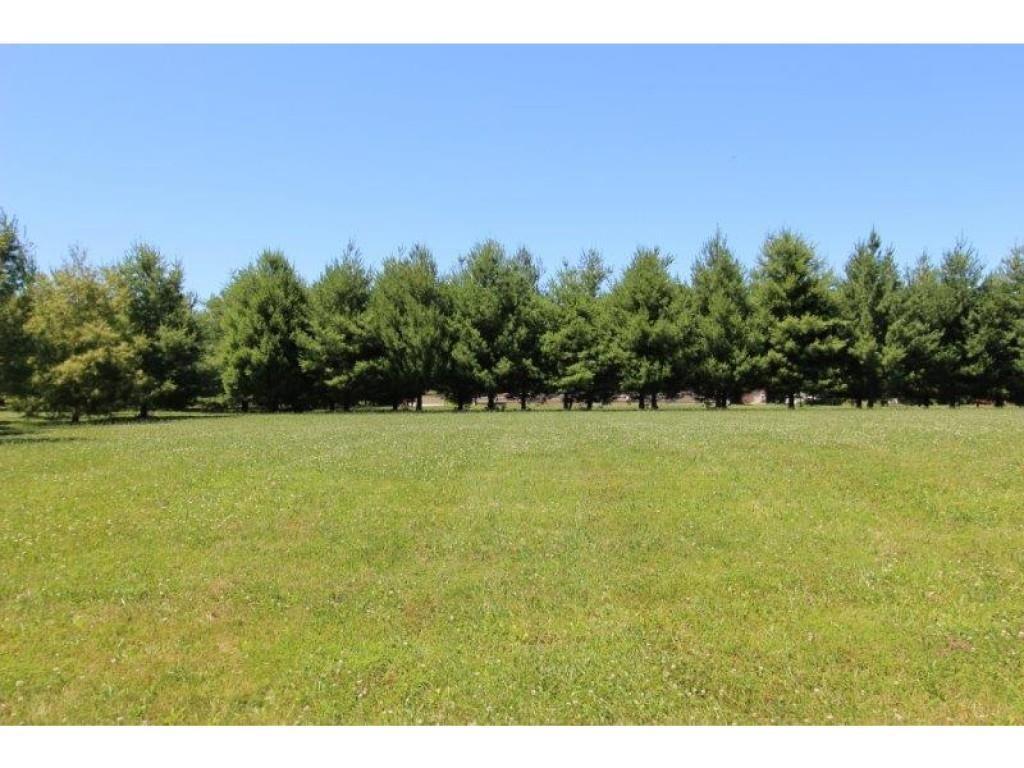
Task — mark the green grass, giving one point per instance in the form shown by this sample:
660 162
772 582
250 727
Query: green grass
681 566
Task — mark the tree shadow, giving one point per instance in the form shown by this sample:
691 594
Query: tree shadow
17 430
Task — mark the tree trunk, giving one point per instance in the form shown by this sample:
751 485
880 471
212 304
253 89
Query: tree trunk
654 400
566 403
999 402
522 402
144 411
643 402
590 403
859 402
722 402
871 403
791 400
245 406
490 401
76 414
419 402
394 405
460 404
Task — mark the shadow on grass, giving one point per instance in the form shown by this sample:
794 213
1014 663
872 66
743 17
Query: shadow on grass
19 429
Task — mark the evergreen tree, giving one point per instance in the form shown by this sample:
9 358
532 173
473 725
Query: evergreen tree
263 314
406 320
159 317
960 288
914 341
337 338
995 344
83 360
500 318
722 315
650 314
17 271
795 320
581 345
868 302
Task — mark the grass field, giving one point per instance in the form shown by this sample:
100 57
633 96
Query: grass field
681 566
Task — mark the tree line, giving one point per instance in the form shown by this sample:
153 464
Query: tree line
83 339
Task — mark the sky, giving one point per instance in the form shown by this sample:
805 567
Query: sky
215 153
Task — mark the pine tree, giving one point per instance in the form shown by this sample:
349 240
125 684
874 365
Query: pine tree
995 345
497 297
649 308
581 345
159 317
960 288
337 339
795 320
868 301
406 321
914 341
721 306
263 314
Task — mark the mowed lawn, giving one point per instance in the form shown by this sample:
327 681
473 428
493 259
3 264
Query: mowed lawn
680 566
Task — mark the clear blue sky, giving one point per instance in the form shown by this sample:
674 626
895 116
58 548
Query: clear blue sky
215 153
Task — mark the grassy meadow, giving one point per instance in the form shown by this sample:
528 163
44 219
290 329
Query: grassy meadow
680 566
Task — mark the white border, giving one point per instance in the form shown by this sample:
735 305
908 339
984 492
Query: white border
536 21
792 747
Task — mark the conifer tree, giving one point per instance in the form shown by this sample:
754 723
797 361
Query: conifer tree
795 320
158 315
722 314
263 315
868 301
649 308
406 323
337 340
581 345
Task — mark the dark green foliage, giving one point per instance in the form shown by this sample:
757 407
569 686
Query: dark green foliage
868 300
406 322
263 314
158 315
581 345
995 345
913 344
650 312
960 277
338 336
722 315
927 350
796 321
499 319
17 271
